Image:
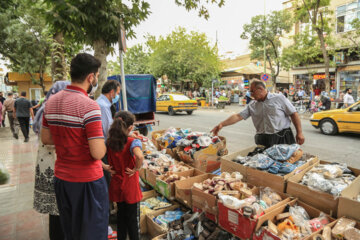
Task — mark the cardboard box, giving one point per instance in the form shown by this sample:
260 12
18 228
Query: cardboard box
146 195
265 233
168 189
207 202
236 223
320 200
207 159
154 229
151 177
162 236
347 202
183 188
262 178
142 174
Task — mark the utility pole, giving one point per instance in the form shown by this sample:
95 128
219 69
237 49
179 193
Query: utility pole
264 38
122 48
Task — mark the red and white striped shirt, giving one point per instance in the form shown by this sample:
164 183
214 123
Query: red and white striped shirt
73 119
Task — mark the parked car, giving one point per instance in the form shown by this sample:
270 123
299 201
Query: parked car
173 103
339 120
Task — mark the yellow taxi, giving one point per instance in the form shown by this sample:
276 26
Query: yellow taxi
339 120
173 103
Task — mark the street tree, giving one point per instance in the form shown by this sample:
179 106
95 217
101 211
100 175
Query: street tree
136 61
317 14
304 51
184 56
25 40
96 22
269 29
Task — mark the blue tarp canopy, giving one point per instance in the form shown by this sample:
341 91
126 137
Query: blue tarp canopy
140 92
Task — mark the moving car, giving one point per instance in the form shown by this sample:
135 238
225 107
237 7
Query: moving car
173 103
339 120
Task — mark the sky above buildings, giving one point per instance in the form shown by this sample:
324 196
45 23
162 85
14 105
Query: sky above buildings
227 21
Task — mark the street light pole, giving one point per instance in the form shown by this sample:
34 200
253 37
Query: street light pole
264 38
123 84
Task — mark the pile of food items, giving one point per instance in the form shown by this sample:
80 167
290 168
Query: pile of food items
295 223
343 229
194 226
169 216
227 184
185 140
331 178
279 159
170 177
153 204
253 206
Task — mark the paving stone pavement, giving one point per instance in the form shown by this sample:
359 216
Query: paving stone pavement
18 220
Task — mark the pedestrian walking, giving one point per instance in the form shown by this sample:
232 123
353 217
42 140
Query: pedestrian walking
301 93
72 122
271 115
23 111
8 107
126 158
37 105
348 98
2 100
44 191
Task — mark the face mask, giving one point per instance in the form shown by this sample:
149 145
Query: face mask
115 99
92 88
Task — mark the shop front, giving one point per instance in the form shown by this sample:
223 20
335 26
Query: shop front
350 78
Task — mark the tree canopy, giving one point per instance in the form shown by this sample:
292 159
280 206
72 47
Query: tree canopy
184 56
269 28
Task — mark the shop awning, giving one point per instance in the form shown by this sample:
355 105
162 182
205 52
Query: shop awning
310 70
349 68
250 69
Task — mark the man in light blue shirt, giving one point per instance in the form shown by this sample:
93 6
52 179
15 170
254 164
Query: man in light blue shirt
109 95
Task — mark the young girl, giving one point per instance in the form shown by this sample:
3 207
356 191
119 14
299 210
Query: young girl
125 156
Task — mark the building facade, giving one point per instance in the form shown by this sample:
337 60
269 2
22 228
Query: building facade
345 72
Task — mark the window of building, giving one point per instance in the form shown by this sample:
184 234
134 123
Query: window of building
35 94
345 14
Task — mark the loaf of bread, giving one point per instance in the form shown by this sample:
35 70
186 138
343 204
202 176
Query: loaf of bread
296 156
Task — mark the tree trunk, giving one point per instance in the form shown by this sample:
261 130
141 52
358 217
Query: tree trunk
326 60
101 52
58 65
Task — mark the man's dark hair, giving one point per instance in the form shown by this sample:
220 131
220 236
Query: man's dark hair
347 90
82 65
257 83
110 85
23 94
10 94
45 93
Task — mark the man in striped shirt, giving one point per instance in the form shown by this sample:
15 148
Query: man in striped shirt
72 122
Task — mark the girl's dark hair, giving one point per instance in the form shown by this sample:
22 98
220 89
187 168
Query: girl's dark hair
118 131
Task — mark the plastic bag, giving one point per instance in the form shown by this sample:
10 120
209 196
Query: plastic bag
263 162
282 152
4 175
300 216
269 196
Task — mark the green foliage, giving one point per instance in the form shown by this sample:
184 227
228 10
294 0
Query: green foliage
303 52
352 38
271 29
197 4
184 56
25 40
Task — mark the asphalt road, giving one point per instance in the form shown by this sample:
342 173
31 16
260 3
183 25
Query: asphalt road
338 148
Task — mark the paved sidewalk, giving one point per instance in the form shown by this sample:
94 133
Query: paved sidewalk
18 220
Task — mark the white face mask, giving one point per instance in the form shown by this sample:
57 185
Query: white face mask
92 88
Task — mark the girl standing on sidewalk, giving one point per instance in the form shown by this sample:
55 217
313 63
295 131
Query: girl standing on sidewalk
126 158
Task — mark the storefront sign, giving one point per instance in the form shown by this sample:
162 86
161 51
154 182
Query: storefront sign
319 76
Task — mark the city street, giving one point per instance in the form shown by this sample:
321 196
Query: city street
338 148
